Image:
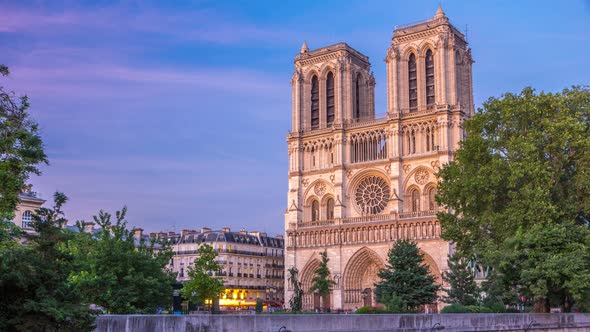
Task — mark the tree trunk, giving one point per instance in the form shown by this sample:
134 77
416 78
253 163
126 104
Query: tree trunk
541 305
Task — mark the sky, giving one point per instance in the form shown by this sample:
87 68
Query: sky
180 109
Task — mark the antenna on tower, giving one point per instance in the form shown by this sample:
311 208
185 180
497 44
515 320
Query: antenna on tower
466 31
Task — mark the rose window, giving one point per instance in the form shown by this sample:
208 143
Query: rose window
371 195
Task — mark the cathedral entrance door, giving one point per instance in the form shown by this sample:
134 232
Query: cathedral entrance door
367 297
316 301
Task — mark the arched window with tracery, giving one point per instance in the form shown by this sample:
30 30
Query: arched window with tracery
427 139
413 150
432 139
27 219
415 200
330 209
432 199
315 210
315 103
429 78
330 106
413 83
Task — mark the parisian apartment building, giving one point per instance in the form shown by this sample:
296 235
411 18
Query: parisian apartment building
251 263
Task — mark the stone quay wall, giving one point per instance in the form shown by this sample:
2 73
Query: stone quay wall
345 323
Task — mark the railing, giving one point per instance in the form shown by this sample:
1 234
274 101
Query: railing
316 223
416 214
371 218
365 219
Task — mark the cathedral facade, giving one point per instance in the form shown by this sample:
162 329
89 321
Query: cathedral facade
358 183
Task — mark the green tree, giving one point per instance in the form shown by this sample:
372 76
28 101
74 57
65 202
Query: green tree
119 273
321 282
524 170
203 283
296 301
464 289
35 294
21 148
406 281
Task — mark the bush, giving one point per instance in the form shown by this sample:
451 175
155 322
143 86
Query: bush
454 308
475 309
396 305
497 307
370 310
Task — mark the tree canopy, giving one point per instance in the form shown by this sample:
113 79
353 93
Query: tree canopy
518 193
21 148
35 294
321 282
296 300
118 272
463 288
203 283
406 282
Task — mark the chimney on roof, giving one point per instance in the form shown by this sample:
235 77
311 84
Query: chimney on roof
255 233
205 229
279 236
138 233
171 234
226 229
153 235
243 231
185 232
88 227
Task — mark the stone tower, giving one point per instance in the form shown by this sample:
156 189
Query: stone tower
358 183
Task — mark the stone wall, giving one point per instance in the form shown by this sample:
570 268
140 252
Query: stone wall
345 323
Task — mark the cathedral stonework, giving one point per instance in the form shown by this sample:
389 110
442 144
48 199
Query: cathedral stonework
358 183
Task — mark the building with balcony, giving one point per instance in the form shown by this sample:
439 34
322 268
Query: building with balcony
358 183
252 264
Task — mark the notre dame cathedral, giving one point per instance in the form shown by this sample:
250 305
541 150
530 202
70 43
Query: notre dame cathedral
358 183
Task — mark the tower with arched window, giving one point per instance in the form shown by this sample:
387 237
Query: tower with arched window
359 182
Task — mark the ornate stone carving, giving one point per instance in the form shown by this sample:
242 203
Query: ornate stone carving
371 195
388 169
305 182
435 165
320 188
332 178
421 177
349 173
407 168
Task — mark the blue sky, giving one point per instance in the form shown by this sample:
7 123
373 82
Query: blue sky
179 109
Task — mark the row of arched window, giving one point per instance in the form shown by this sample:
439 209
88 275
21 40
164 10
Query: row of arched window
413 80
330 100
326 214
427 137
416 199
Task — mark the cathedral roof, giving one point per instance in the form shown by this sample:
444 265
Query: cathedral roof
331 49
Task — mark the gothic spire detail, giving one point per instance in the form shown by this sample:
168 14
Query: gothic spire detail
304 47
439 12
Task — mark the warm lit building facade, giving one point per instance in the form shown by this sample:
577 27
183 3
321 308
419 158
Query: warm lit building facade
358 183
252 264
28 203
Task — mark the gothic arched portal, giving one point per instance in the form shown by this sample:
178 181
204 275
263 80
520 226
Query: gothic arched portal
360 276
